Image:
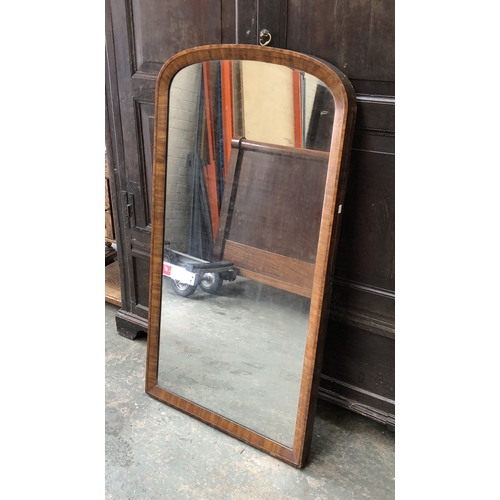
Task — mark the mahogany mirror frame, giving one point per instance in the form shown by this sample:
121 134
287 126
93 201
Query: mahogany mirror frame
343 125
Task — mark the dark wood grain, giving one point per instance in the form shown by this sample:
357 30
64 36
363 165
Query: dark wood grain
271 213
345 109
284 187
359 366
242 21
355 35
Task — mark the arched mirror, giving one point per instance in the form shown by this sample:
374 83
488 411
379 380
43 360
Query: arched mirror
250 165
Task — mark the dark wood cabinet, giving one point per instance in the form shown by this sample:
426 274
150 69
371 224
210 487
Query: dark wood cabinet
357 37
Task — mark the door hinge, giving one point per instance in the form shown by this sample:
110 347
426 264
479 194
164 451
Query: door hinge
129 210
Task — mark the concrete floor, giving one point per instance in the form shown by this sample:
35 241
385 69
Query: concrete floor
155 452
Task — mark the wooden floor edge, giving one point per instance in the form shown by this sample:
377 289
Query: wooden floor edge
112 284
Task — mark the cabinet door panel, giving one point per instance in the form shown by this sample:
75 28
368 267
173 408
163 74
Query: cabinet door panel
355 35
366 251
158 29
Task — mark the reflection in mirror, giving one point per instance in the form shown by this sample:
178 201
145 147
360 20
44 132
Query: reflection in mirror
243 205
277 104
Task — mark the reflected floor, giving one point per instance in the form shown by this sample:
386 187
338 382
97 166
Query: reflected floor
238 354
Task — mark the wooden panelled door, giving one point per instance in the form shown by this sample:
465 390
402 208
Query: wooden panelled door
140 37
357 37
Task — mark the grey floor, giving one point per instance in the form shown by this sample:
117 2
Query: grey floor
155 452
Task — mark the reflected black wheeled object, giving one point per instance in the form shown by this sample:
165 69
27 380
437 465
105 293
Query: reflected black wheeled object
187 272
182 289
211 282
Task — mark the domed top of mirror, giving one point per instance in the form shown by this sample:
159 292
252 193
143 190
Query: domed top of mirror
250 165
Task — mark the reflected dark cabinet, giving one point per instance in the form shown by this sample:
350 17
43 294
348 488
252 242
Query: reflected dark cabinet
356 37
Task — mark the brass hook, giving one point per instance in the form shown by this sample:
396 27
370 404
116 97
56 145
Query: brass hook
264 37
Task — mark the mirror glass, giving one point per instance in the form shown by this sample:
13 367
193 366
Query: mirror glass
247 159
